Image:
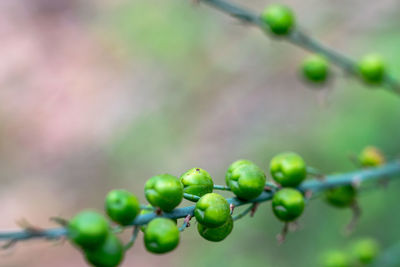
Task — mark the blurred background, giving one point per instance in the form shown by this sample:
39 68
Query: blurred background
97 95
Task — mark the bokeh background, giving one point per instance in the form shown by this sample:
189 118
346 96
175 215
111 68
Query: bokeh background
97 95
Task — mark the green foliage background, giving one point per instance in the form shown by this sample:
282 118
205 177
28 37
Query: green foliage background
210 91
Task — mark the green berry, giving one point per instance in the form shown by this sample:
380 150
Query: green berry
212 210
279 18
371 157
109 254
88 229
197 182
288 169
315 69
372 69
288 204
342 196
164 191
216 234
336 258
161 235
245 179
122 206
366 250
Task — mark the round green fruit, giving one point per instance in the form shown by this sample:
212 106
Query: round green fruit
288 169
88 229
288 204
164 191
371 157
122 206
109 254
245 179
197 182
161 236
216 234
342 196
372 69
336 258
366 250
212 210
315 69
279 18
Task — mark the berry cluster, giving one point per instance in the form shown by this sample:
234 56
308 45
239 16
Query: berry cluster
281 21
93 234
361 252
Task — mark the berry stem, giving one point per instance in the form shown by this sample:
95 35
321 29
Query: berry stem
221 187
191 197
133 238
243 213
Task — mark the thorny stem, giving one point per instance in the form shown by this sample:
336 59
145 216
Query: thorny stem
387 171
299 38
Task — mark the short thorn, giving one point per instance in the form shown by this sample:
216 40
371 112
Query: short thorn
187 220
282 236
308 194
231 207
158 211
254 209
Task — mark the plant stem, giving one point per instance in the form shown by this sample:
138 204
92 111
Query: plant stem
301 39
389 170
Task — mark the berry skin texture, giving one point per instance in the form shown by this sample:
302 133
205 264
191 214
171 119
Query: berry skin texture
245 179
88 229
108 254
164 191
212 210
315 69
197 182
288 204
372 69
366 250
122 206
336 258
342 196
161 236
216 234
371 157
288 169
279 18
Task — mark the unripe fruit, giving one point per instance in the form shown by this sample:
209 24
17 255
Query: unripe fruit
288 204
161 235
245 179
279 18
216 234
197 182
164 191
88 229
212 210
108 254
122 206
342 196
288 169
366 250
372 69
315 69
371 157
336 258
